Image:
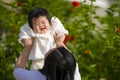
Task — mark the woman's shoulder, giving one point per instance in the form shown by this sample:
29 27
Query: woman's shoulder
23 74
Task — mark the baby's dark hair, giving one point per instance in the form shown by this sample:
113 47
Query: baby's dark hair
37 12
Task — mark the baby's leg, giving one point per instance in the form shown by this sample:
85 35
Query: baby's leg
37 64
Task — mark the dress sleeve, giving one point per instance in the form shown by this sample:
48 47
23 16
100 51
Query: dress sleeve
58 27
25 32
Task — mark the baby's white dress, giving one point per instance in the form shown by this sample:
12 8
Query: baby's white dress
43 42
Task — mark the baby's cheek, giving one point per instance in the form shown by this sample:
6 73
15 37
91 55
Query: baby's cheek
36 29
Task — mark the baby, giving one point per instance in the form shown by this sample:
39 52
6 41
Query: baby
48 33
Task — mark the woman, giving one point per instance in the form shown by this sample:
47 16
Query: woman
59 64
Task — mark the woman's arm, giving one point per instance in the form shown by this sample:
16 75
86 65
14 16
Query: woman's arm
22 59
59 40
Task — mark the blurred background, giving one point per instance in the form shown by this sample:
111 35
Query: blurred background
94 34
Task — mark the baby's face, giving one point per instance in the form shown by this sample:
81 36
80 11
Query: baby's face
40 25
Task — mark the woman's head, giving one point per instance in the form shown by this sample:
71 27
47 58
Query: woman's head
60 64
39 20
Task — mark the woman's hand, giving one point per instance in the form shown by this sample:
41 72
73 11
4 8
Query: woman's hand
59 40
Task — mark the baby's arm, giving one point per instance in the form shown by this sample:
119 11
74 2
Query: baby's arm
60 31
25 39
25 35
27 42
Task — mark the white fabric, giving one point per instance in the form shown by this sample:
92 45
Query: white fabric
43 42
22 74
58 27
37 64
77 75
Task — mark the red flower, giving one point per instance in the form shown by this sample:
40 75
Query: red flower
69 38
65 40
117 30
76 3
19 3
86 51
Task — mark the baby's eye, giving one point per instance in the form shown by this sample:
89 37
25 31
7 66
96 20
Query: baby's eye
35 24
43 22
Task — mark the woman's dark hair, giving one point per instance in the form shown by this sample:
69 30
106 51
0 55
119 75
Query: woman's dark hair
37 12
60 64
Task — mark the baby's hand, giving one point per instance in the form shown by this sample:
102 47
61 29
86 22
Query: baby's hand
59 40
28 41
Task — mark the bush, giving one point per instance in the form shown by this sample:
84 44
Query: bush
95 47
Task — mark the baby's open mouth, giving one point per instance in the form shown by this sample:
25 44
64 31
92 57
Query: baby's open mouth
42 28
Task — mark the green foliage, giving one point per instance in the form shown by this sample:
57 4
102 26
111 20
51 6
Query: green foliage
95 47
